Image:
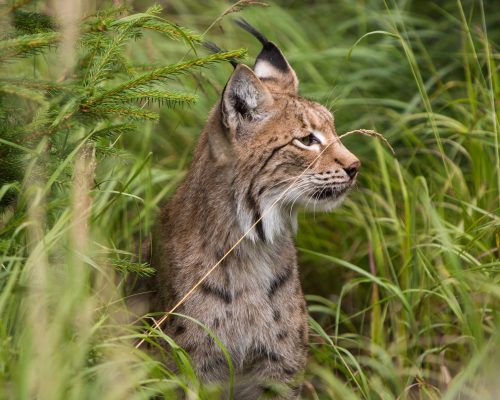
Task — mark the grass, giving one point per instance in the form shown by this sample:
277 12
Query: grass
402 282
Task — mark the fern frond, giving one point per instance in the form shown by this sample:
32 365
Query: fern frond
163 73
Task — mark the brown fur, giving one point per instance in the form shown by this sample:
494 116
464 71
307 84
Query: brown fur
249 152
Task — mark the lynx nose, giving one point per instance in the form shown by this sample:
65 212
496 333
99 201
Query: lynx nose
352 169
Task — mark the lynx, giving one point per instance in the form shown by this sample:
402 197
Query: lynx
259 137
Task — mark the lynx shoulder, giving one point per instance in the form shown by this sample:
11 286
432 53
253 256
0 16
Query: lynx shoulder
259 139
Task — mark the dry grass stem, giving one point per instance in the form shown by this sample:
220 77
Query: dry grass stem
369 132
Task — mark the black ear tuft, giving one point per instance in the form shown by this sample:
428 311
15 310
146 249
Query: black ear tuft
216 49
273 56
270 51
271 66
243 23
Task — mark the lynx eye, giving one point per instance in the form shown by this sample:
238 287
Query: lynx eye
307 141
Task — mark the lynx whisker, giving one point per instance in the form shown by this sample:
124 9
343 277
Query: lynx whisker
281 182
314 204
303 188
298 195
310 197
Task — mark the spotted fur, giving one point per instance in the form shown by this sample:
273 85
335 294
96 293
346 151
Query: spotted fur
256 141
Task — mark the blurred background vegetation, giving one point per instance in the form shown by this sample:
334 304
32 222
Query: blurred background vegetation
99 114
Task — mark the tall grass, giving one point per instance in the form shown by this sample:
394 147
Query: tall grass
402 282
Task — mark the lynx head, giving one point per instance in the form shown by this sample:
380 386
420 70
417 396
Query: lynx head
273 136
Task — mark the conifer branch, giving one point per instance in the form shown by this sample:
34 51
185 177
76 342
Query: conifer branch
125 110
102 97
128 266
29 22
26 44
159 96
104 59
46 87
113 130
163 73
106 14
173 31
28 94
13 7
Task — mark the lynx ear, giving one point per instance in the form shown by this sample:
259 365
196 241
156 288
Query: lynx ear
245 99
271 66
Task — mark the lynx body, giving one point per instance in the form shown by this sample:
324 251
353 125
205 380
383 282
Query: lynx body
258 139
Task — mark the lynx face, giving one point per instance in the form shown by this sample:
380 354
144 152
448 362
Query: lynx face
278 139
298 137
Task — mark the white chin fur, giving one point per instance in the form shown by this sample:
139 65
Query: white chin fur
281 217
326 204
322 205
